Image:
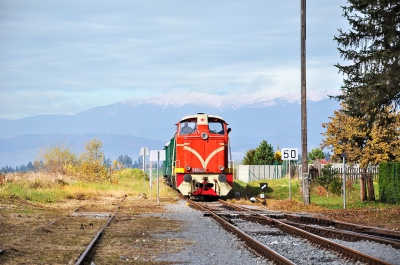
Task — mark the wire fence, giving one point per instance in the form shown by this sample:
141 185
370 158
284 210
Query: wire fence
248 173
353 172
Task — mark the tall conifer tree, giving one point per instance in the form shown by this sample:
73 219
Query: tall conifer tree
372 49
371 81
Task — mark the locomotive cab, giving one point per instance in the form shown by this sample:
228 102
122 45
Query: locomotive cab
200 165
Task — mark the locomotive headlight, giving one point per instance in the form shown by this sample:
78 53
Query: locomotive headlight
221 168
222 177
187 178
204 136
187 168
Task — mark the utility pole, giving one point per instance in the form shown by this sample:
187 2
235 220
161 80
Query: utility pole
304 158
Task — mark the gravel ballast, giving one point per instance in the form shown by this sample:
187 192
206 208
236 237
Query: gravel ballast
213 245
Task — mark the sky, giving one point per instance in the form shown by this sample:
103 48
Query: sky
67 56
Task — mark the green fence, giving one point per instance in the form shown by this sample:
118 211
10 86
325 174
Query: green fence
248 173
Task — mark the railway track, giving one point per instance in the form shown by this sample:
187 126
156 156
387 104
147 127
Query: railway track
33 234
230 216
327 228
72 235
90 248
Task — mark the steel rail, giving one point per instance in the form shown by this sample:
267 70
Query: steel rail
329 232
362 229
92 243
323 242
345 226
251 242
344 234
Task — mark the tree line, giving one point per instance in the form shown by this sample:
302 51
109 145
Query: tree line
51 152
264 154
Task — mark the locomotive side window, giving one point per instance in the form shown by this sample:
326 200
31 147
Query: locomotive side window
187 127
216 127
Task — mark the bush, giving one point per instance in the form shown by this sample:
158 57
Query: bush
336 186
389 184
327 177
134 173
55 159
92 171
90 166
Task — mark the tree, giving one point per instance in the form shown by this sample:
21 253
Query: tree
55 159
363 128
91 163
264 154
364 143
327 176
372 49
107 162
249 157
125 160
316 153
140 162
278 156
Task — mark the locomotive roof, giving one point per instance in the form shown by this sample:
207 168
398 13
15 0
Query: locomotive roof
195 116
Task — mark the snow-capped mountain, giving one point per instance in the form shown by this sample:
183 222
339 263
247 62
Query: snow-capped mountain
226 102
150 122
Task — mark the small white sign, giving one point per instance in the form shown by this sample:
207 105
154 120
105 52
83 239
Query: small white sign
290 153
144 150
154 155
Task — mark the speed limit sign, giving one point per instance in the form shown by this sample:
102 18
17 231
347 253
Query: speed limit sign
290 153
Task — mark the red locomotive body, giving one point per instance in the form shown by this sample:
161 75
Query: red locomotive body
198 154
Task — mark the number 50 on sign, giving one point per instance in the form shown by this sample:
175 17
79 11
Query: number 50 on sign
290 153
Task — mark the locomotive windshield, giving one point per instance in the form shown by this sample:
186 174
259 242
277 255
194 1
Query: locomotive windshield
187 127
216 127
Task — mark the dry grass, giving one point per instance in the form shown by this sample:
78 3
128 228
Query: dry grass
47 179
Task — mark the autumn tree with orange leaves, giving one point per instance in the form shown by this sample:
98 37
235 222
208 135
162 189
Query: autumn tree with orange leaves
365 143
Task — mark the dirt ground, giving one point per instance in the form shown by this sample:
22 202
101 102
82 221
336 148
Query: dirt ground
58 233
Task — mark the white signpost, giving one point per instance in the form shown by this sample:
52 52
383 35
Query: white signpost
143 152
157 155
290 154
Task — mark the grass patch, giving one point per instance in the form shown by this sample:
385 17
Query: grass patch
44 187
50 188
278 189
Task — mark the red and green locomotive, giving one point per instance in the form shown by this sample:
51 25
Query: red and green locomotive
196 162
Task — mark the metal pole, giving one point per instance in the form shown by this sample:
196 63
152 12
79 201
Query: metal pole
290 183
144 169
151 176
344 183
158 187
306 197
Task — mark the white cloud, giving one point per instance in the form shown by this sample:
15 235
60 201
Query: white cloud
103 51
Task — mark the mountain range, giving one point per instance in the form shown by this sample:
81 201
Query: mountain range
124 127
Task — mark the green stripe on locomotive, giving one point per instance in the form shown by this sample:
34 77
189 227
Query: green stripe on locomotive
170 156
